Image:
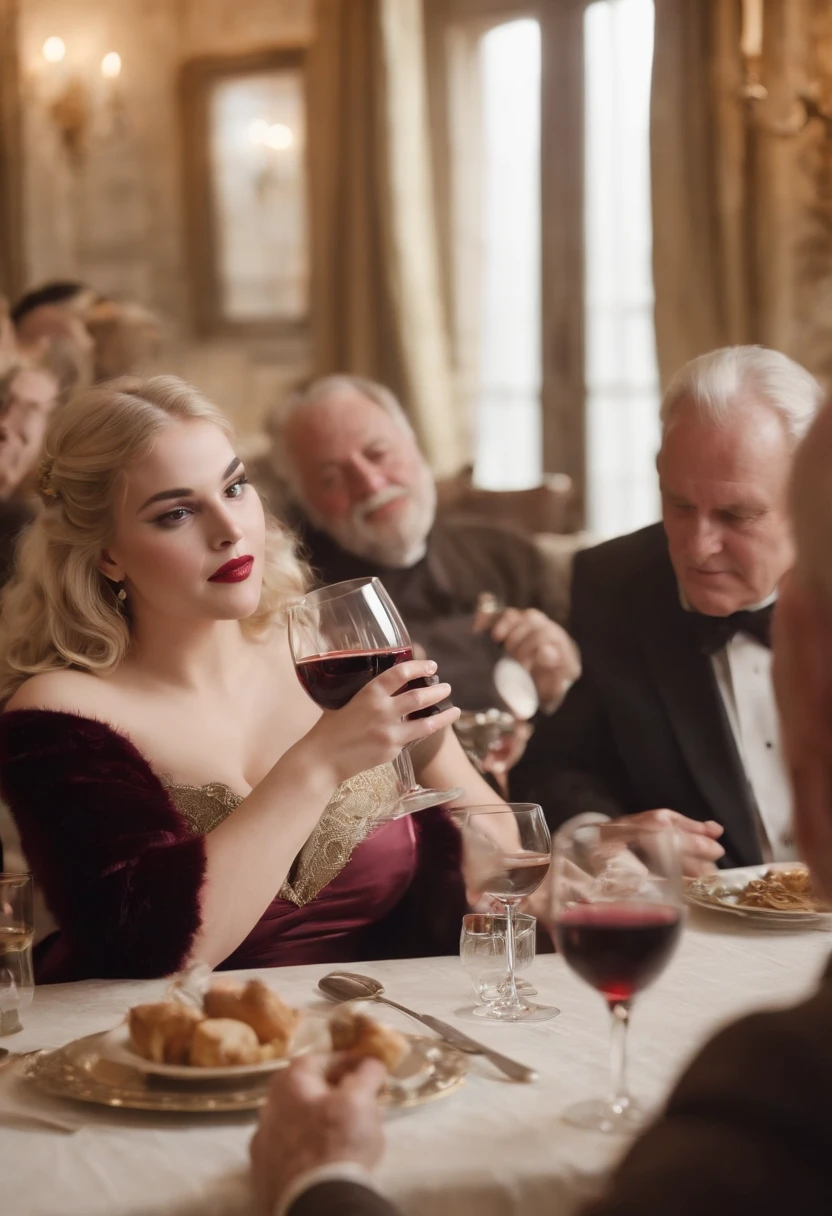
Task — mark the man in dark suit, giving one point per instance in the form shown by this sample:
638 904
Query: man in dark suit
747 1130
674 716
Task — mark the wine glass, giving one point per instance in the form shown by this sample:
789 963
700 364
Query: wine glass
506 856
17 931
617 916
341 637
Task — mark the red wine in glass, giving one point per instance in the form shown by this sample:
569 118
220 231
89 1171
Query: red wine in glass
333 679
343 636
618 948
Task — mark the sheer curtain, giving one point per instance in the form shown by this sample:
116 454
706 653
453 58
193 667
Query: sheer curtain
622 402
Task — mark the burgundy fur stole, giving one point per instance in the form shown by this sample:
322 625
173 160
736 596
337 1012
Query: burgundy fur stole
120 871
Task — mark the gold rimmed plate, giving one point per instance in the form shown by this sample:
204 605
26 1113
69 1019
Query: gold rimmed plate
82 1072
721 892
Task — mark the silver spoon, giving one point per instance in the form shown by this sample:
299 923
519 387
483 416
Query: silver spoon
349 986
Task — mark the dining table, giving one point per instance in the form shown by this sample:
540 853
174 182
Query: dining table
491 1147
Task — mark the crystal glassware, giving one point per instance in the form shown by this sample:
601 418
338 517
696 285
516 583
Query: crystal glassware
482 951
506 855
341 637
17 930
617 914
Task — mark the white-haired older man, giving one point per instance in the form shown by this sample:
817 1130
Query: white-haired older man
350 460
674 713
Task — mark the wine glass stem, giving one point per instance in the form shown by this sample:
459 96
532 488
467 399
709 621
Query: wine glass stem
511 956
619 1097
404 771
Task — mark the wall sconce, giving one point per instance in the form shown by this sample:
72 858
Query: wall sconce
73 104
813 102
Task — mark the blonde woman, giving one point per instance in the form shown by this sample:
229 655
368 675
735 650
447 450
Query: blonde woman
178 795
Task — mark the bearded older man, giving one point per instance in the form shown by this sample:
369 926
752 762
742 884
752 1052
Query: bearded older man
747 1129
349 457
674 714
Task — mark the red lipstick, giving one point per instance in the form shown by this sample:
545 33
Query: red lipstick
235 571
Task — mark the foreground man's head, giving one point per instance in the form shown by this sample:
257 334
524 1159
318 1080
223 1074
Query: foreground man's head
731 421
803 650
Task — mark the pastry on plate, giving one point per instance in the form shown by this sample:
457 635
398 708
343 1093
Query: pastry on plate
163 1031
358 1036
220 1042
273 1021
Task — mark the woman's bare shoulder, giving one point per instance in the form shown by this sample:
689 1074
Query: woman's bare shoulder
65 690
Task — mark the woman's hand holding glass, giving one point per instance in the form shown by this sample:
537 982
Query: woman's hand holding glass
347 639
376 724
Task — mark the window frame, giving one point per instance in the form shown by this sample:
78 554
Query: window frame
562 286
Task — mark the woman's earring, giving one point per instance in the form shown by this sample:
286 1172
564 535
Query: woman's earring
122 594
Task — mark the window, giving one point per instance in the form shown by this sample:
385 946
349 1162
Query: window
622 407
508 425
563 315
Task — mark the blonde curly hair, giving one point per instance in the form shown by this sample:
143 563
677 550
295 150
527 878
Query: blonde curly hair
59 610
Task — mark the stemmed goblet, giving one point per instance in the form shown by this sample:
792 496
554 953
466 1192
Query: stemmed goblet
341 637
617 916
506 855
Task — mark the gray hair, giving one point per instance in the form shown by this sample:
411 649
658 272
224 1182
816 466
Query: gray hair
715 383
324 389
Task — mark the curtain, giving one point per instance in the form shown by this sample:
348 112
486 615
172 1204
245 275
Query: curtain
732 200
377 301
11 244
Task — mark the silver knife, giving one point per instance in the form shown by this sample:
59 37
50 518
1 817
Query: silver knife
513 1069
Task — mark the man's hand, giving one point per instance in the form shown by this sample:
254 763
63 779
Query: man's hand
698 842
317 1114
541 646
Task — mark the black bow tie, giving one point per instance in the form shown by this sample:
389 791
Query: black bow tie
714 632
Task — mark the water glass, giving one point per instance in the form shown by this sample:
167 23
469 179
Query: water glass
482 949
17 929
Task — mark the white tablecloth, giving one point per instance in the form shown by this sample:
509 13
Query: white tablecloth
491 1149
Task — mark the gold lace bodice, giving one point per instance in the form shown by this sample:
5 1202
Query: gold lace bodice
348 818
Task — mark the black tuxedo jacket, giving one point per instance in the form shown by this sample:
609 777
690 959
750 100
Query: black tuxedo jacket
645 725
746 1132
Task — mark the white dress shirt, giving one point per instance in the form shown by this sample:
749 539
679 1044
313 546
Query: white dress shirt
743 676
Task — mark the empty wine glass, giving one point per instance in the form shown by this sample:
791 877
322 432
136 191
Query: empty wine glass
506 856
343 636
617 915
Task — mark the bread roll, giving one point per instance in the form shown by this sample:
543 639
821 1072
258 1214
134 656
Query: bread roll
220 1042
358 1036
254 1003
162 1032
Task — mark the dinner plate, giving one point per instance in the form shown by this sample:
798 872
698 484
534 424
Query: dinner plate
719 892
116 1045
81 1071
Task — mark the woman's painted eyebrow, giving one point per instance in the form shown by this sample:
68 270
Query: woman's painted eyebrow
183 491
